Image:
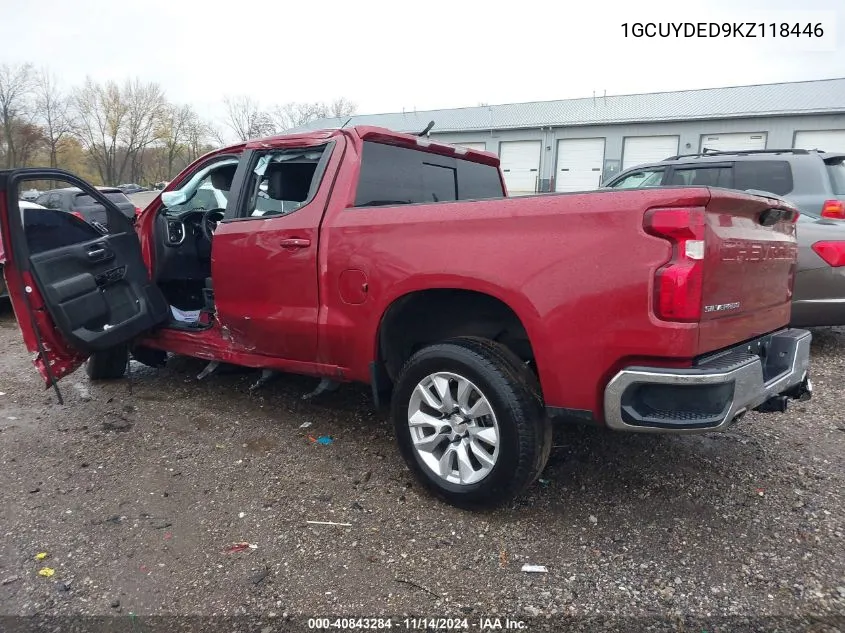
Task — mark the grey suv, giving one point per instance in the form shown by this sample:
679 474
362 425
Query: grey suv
812 180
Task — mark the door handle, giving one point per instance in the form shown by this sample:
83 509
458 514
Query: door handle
295 242
100 254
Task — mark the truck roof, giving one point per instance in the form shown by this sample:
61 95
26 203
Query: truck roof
381 135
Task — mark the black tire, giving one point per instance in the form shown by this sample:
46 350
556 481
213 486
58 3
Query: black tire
107 365
525 432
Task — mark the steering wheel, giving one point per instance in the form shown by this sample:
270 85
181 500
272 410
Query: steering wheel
208 223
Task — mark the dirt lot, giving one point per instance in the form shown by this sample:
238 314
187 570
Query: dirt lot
136 497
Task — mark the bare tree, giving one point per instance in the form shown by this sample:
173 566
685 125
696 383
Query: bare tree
145 105
342 107
293 115
102 115
53 111
180 132
199 134
30 140
15 89
246 119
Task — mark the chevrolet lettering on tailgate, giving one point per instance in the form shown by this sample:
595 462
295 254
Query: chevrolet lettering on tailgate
742 251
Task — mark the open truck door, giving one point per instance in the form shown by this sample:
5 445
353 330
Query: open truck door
76 288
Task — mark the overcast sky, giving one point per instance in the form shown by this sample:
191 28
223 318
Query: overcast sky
386 56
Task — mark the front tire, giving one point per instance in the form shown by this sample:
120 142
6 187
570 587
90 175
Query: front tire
107 365
470 422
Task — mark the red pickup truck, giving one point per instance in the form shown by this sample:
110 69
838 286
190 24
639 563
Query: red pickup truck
367 255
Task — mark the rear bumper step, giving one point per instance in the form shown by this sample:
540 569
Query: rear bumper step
717 392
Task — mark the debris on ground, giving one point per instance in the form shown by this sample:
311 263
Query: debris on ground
418 586
329 523
47 572
119 422
242 546
325 440
41 555
259 576
115 604
10 580
82 391
593 519
535 569
62 586
304 425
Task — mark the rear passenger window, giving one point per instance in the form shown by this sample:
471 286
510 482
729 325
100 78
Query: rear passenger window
644 178
392 175
774 176
702 177
836 171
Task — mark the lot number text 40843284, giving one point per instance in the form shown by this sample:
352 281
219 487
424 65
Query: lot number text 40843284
482 624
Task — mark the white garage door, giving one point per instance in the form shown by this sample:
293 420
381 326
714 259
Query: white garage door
733 142
520 162
825 140
579 164
639 150
481 146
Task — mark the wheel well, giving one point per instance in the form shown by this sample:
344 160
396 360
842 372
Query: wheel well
422 318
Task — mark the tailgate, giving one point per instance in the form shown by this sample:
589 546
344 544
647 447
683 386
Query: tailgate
749 267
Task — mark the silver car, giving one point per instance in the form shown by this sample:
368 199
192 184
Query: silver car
813 181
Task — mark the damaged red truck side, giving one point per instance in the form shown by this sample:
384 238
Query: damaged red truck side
377 257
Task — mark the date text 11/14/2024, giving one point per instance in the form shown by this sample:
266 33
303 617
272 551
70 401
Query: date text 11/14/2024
419 624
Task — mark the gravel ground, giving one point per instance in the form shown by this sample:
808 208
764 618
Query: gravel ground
136 494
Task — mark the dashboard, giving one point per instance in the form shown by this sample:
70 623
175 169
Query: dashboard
182 250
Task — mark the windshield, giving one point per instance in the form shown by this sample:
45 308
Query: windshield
836 170
205 198
199 193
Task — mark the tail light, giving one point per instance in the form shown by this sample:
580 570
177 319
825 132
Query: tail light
137 211
831 252
678 285
78 214
833 209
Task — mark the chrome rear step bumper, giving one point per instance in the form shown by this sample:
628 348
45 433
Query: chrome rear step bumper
763 375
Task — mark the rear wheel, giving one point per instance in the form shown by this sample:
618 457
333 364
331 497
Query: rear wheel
470 423
107 365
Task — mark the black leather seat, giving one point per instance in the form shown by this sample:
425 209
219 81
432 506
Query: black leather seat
222 177
289 181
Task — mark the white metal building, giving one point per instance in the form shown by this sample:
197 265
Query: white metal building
575 144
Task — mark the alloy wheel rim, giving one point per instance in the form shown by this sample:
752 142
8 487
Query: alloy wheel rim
453 428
